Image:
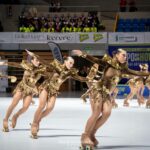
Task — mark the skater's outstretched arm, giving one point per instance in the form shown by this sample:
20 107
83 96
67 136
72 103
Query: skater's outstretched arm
89 57
136 73
12 78
74 75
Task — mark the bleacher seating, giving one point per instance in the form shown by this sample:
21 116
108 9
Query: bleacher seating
60 22
133 25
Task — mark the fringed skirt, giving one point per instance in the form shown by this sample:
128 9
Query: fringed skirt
25 89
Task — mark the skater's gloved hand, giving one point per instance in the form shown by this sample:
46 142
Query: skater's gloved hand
13 79
2 63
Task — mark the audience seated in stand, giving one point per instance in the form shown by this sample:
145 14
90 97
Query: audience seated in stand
90 23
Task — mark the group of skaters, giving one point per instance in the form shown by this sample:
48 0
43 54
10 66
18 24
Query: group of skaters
101 91
137 86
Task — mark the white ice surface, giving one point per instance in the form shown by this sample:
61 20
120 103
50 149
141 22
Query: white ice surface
126 129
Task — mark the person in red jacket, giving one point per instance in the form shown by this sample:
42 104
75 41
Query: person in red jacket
123 4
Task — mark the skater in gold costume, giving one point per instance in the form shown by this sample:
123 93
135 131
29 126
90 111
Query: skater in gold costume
26 88
115 69
93 76
147 83
136 85
50 89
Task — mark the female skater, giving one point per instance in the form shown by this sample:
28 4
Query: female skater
114 68
50 89
147 83
25 89
93 76
136 85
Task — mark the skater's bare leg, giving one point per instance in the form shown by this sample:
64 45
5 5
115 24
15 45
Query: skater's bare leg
140 98
26 103
106 112
16 98
97 108
49 107
130 96
115 92
42 103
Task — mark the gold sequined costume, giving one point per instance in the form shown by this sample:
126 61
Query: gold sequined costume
113 72
29 83
93 73
59 75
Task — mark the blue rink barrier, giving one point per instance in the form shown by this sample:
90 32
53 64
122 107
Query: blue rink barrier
125 90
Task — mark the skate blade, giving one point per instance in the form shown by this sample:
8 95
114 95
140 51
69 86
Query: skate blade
5 130
86 147
34 136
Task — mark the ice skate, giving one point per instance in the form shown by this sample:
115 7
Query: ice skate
94 140
86 143
141 102
34 130
114 104
126 104
5 126
148 104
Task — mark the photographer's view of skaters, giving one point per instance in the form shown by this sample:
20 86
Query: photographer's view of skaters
126 129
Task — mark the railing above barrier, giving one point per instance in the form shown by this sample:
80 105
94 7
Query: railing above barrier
78 37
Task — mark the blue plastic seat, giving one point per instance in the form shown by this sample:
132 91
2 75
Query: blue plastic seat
120 30
147 22
142 21
135 21
128 21
120 24
142 28
135 29
127 29
121 21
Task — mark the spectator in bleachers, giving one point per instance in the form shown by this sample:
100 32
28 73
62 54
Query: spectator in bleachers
50 27
93 28
86 28
61 23
79 27
36 25
132 6
65 28
22 20
57 25
31 28
1 27
22 28
43 28
123 5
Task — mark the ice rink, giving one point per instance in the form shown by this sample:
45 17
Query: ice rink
126 129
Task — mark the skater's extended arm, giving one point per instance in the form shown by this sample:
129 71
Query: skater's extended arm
74 75
136 73
89 57
12 78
